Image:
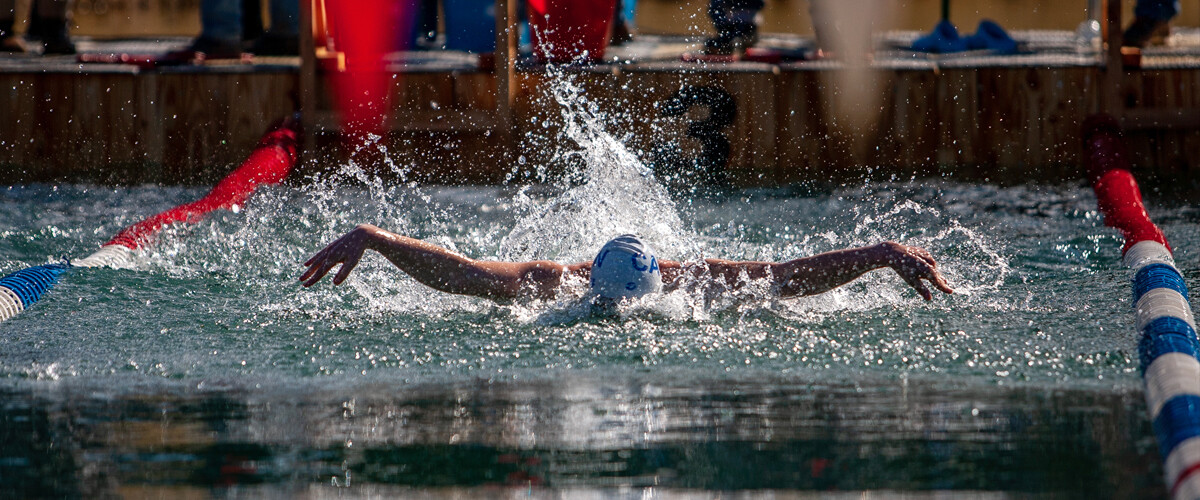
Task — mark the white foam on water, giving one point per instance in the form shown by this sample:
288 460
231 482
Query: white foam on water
566 219
616 194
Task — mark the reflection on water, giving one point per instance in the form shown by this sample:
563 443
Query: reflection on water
206 369
582 433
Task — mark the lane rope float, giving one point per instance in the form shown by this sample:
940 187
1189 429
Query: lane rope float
269 163
21 289
1168 348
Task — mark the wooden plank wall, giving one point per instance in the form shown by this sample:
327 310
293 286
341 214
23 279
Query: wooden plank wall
1001 125
1005 125
1167 154
129 127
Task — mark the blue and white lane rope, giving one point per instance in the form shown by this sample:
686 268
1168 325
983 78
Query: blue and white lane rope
1168 347
21 289
269 163
1170 355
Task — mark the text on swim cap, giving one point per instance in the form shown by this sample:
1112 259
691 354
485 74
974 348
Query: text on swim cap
599 259
653 267
635 259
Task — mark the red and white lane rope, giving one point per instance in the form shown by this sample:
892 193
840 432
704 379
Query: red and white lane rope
1168 348
269 163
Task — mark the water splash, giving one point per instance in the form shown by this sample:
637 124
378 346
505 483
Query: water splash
611 192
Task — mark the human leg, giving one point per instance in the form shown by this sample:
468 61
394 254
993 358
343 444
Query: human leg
285 17
620 26
252 20
53 15
283 37
9 41
220 31
1162 10
736 24
1150 19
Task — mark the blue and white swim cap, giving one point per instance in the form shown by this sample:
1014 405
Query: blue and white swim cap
625 267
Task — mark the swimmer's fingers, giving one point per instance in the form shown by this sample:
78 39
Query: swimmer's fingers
307 272
347 266
346 250
931 273
324 253
311 268
919 286
317 271
916 271
939 281
916 264
924 255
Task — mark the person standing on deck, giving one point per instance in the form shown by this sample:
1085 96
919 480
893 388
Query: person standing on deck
736 22
222 31
51 16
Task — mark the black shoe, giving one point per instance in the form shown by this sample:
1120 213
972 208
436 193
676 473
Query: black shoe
620 35
55 39
719 45
206 48
272 44
58 45
1141 31
726 43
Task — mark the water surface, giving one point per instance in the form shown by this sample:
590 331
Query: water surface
206 369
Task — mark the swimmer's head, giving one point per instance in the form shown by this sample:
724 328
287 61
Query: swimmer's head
625 267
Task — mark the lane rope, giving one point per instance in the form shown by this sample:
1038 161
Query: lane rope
1168 348
269 163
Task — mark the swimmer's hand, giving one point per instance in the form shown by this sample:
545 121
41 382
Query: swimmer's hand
347 251
914 264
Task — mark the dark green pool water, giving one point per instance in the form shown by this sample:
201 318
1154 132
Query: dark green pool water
206 370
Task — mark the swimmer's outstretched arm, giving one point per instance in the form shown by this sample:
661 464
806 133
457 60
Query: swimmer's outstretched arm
435 266
829 270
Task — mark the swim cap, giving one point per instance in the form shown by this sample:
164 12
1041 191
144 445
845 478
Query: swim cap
625 267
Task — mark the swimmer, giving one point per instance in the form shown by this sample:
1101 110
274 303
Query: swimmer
625 267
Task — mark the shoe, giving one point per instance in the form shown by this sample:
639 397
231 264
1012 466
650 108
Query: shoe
1142 30
719 45
944 39
58 45
273 44
205 48
991 36
726 43
13 44
55 39
620 35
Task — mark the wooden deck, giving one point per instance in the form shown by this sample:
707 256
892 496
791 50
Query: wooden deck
974 116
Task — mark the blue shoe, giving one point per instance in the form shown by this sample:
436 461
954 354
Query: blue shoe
942 40
991 36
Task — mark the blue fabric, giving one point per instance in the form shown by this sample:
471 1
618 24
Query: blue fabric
729 17
29 284
626 10
470 25
1178 422
990 36
1157 276
944 39
222 19
285 17
1166 335
1162 10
